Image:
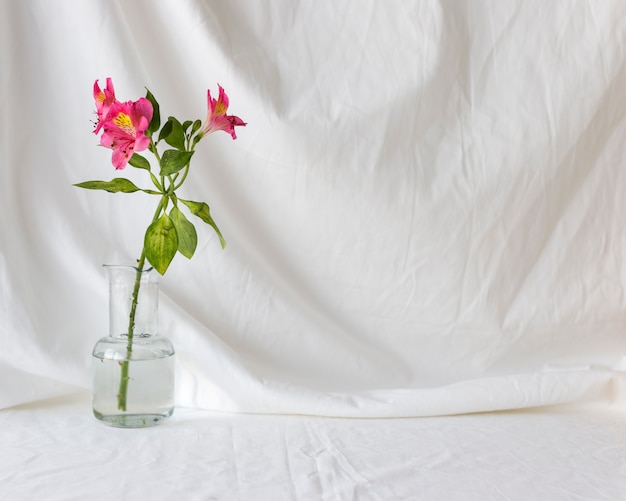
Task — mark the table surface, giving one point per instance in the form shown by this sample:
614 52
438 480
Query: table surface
56 450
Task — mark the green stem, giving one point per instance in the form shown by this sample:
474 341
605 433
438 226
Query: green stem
185 173
183 179
125 364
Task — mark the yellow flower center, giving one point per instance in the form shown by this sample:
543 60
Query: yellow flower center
220 109
123 121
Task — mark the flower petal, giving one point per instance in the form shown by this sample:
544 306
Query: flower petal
141 113
124 129
121 156
104 100
216 118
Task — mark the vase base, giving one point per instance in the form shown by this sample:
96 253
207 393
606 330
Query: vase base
132 420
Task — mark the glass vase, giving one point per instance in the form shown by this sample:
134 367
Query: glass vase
133 367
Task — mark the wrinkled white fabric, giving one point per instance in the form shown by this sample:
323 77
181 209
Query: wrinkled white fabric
425 213
56 451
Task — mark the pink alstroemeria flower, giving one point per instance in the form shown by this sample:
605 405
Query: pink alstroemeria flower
104 99
217 119
124 129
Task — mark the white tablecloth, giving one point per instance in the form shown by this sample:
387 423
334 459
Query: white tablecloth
56 451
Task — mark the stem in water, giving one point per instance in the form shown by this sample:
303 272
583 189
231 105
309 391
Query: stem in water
125 364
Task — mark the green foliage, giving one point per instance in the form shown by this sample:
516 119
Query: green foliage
173 161
161 243
117 185
202 210
186 232
155 123
176 137
166 130
139 162
196 126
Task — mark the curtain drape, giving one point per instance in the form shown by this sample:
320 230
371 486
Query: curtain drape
424 214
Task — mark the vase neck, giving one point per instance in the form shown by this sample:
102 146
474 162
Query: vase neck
133 301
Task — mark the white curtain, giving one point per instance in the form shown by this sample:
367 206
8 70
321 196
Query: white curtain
425 214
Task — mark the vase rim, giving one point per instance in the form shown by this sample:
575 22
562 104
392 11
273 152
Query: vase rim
128 267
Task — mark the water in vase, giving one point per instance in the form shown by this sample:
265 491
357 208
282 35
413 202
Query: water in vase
150 397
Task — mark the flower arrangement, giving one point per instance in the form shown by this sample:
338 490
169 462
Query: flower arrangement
131 127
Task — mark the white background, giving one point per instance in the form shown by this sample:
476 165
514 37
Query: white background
424 215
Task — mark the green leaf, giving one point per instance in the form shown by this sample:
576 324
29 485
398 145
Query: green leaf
173 160
187 236
166 130
186 125
161 243
196 126
139 162
177 137
202 210
116 185
155 123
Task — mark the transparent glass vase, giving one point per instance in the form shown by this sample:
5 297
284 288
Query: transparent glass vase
133 376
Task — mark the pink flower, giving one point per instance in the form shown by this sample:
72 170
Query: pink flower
124 127
217 119
104 100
